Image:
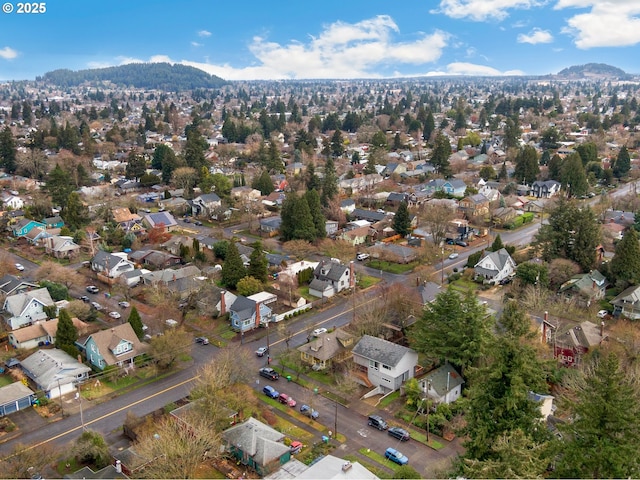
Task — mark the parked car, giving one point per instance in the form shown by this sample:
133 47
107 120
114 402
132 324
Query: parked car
202 340
603 313
262 351
270 392
198 223
92 289
319 331
269 373
453 255
362 256
295 447
287 400
309 412
96 305
449 241
84 298
378 422
399 433
396 456
461 243
115 315
123 304
19 267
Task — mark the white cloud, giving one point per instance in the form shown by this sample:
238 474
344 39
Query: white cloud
472 69
536 36
482 10
8 53
204 33
608 23
196 44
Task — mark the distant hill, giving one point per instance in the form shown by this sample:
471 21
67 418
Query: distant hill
161 76
591 70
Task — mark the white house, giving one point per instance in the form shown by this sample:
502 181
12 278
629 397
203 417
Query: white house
443 385
111 265
27 307
494 267
387 365
54 371
41 333
10 200
330 277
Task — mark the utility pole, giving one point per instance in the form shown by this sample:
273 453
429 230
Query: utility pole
442 267
335 425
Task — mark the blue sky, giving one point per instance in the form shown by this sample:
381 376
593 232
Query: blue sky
246 40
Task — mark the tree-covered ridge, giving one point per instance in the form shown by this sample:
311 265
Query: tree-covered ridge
591 69
163 76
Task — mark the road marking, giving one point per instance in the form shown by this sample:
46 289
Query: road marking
71 430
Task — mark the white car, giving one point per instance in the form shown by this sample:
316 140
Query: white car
115 315
96 305
362 256
319 331
603 313
19 267
453 255
123 304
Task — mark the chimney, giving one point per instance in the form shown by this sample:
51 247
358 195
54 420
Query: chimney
118 466
257 314
223 305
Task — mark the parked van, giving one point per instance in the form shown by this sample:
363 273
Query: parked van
377 422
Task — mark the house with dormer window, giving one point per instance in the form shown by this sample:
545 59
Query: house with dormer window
26 308
117 346
128 222
247 313
330 278
494 267
112 265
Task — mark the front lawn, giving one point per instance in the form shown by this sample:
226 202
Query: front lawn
397 268
375 456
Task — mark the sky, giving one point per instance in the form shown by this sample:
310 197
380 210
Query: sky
335 39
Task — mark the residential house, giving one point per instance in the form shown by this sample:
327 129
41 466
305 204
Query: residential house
11 200
133 277
246 193
394 252
627 303
25 308
54 372
111 265
394 167
546 404
443 385
325 467
474 206
619 217
454 187
359 184
571 340
15 397
177 205
247 313
370 216
10 285
327 349
117 346
396 198
494 267
163 220
213 301
61 246
176 241
359 235
503 215
330 278
386 365
24 226
270 226
127 221
53 222
37 235
205 204
154 258
274 200
41 333
584 288
545 189
331 227
257 446
348 205
428 292
181 281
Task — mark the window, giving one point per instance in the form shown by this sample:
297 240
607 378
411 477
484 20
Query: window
373 364
386 367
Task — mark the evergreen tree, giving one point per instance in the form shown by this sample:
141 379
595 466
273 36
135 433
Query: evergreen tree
573 176
625 264
337 144
58 186
274 161
194 148
233 269
258 265
402 220
7 150
440 155
497 244
136 322
555 167
136 165
429 126
312 180
622 164
66 333
503 174
162 154
330 182
319 221
527 167
454 328
263 183
297 221
370 166
603 438
75 213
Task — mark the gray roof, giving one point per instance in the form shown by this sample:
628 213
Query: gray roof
9 283
243 307
256 439
330 271
48 367
102 258
500 259
18 302
428 292
442 377
158 218
383 351
14 392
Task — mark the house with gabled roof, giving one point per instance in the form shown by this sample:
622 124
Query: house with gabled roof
54 372
60 246
247 313
41 333
585 288
128 221
112 265
53 222
385 364
10 285
327 349
180 281
494 267
443 385
25 308
627 303
257 446
330 278
476 205
205 204
37 235
24 226
154 258
164 219
10 200
545 188
454 187
118 346
428 292
15 397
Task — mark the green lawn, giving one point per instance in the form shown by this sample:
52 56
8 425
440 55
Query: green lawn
422 438
379 472
375 456
392 267
365 281
386 401
5 380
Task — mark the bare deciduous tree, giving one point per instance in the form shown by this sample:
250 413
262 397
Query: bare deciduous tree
57 273
436 218
27 462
